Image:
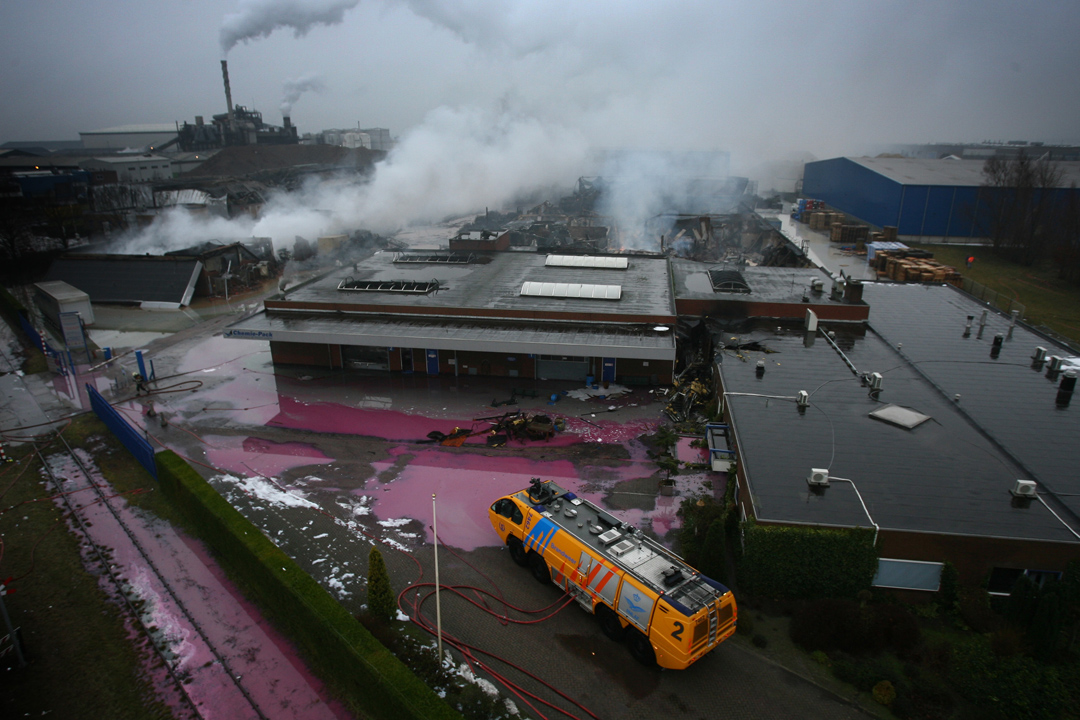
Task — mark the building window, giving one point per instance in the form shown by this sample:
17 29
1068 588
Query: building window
131 169
908 574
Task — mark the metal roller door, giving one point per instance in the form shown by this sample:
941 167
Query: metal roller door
555 367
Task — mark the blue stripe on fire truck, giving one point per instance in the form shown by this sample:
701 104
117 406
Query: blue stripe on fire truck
541 535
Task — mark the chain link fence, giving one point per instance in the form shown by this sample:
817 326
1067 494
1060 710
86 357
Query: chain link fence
1001 302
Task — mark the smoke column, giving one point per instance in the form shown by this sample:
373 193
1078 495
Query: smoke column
259 18
293 89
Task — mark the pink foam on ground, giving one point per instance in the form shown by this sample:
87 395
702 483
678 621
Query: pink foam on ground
389 424
269 677
688 454
466 485
251 455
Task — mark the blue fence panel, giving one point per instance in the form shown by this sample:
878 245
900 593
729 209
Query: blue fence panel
132 438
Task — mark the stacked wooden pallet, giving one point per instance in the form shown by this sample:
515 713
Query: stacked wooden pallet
897 267
823 219
848 234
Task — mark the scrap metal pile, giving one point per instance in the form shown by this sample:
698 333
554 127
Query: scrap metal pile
503 428
690 390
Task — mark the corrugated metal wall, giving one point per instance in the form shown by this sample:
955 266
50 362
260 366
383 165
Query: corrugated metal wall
917 210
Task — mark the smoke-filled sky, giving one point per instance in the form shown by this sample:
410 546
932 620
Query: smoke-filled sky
749 77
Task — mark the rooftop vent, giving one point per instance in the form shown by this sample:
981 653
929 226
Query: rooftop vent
729 281
571 290
410 287
818 477
1024 488
589 261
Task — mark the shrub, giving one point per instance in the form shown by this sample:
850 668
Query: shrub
1024 598
894 626
821 658
976 613
380 598
1014 687
884 693
948 594
822 624
745 625
714 560
760 641
802 562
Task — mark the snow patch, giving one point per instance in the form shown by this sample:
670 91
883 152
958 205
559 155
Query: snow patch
267 491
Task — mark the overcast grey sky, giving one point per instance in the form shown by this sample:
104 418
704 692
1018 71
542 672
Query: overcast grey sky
761 79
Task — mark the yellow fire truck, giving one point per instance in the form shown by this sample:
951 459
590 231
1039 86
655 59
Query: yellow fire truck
671 614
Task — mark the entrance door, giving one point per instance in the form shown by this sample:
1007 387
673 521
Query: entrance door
433 362
406 360
608 372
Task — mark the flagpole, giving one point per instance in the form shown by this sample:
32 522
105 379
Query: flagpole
438 605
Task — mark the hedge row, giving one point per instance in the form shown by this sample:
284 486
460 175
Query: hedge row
806 562
367 677
11 307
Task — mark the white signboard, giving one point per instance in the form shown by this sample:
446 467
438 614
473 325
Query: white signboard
71 325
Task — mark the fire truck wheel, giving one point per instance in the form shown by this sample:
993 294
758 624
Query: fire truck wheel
642 649
517 551
539 568
609 623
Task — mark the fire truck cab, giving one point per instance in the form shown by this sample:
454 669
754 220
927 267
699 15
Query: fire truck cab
670 614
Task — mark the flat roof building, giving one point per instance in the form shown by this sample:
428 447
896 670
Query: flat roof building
509 314
933 457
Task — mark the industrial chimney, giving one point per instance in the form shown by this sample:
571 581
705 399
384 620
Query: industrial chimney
228 90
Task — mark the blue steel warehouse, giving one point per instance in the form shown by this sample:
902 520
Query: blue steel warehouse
922 198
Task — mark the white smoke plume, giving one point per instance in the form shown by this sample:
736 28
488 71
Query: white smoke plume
293 89
259 18
457 161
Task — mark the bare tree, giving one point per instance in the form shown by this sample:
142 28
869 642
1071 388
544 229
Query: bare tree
1066 253
1024 202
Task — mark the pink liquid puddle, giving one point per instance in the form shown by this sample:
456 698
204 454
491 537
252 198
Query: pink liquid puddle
335 418
688 454
269 676
466 485
251 455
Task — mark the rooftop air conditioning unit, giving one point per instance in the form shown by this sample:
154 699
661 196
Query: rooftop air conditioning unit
818 477
1024 488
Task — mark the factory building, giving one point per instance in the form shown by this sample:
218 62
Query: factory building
129 136
497 314
133 168
927 200
528 315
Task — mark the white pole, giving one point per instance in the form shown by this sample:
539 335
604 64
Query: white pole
438 605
